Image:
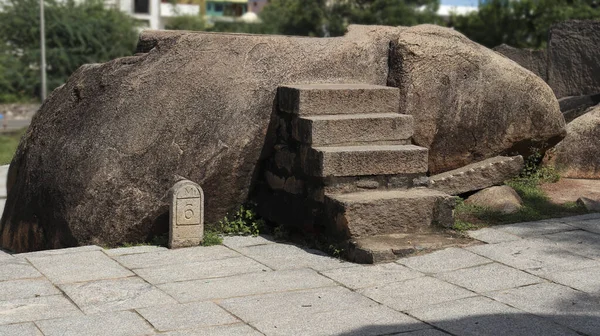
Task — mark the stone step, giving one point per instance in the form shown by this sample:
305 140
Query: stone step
368 213
354 129
319 99
364 160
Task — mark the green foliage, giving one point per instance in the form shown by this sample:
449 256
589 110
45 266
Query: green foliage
244 222
76 33
523 23
295 17
186 22
535 173
212 238
8 145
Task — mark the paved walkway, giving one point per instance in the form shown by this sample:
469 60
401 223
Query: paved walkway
529 279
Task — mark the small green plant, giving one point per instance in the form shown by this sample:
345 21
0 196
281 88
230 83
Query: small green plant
212 238
244 222
534 172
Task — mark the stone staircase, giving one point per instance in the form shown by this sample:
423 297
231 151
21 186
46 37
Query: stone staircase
344 166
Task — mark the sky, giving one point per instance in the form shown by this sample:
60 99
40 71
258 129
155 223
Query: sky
460 2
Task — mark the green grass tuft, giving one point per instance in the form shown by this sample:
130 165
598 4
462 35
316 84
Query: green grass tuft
212 238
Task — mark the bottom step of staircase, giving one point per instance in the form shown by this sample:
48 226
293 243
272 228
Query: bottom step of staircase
391 247
377 212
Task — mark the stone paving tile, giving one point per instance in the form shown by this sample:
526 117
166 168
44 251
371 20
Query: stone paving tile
78 267
179 256
594 215
531 229
133 250
537 256
115 294
286 256
236 242
322 311
586 279
415 293
69 250
590 225
21 329
26 288
424 332
579 242
124 323
370 275
489 277
17 268
38 308
576 310
479 316
201 270
238 329
245 284
492 236
5 256
186 316
444 260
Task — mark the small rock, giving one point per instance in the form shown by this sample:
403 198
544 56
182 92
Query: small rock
589 204
503 198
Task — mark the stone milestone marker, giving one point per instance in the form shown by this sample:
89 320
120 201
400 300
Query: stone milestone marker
187 215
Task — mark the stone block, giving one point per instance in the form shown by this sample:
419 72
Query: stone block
365 160
574 107
186 227
319 99
477 176
354 129
503 199
124 323
186 316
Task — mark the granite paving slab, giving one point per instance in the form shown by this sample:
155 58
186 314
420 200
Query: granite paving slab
415 293
586 279
26 288
187 316
532 229
20 329
37 308
133 250
237 329
444 260
580 242
201 270
245 284
124 323
489 277
115 294
424 332
492 236
362 276
590 225
46 253
78 267
174 257
236 242
574 309
479 316
17 268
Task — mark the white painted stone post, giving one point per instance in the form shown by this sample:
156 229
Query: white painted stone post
186 225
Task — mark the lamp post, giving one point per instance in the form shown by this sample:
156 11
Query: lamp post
43 50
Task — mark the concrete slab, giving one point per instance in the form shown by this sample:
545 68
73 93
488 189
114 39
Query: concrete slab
201 270
492 236
26 288
563 305
245 284
415 293
187 316
237 329
116 324
591 225
21 329
489 277
444 260
286 256
69 250
323 311
371 275
586 279
531 229
16 268
133 250
173 257
580 242
537 256
479 316
236 242
115 295
78 267
424 332
37 308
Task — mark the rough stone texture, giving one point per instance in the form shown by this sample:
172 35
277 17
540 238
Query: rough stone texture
578 154
457 92
370 213
186 215
319 99
501 198
574 107
118 135
573 58
186 316
121 324
589 204
477 176
353 129
535 61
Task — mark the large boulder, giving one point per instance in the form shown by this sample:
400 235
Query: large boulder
470 103
578 155
535 61
574 58
503 199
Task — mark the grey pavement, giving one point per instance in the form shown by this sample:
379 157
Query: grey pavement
539 278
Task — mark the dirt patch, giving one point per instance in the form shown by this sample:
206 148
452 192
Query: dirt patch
569 190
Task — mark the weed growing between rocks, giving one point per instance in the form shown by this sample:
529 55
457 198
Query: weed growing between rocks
212 238
244 222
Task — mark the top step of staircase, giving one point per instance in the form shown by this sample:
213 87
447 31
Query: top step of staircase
320 99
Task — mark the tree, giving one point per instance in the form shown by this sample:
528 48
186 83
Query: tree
522 23
76 33
295 17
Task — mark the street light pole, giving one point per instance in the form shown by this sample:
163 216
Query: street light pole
43 50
